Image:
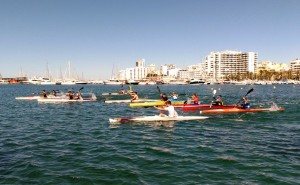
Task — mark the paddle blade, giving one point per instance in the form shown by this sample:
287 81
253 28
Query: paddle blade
214 92
249 91
158 89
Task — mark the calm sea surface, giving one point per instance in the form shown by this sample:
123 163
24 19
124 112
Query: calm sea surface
73 143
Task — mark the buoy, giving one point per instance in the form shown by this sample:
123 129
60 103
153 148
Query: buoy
274 87
241 87
219 89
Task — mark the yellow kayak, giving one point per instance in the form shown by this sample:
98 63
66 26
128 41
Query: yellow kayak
154 103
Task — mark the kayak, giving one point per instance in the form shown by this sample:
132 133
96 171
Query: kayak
188 107
28 98
128 101
239 110
155 103
113 94
32 97
154 118
62 100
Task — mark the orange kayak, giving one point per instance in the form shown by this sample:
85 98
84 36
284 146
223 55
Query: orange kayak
239 110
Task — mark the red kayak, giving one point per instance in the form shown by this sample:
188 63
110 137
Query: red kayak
189 107
239 110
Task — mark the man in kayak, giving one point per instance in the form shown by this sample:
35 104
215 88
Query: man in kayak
218 100
134 96
71 94
54 92
122 91
174 96
170 108
245 104
195 99
164 97
78 95
44 94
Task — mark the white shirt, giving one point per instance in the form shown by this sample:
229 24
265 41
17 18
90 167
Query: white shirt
171 110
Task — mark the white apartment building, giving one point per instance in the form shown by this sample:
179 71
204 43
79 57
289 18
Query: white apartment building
221 64
136 73
165 69
295 65
196 71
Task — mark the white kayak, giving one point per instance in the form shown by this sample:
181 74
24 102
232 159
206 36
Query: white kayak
155 118
28 98
61 100
32 97
128 101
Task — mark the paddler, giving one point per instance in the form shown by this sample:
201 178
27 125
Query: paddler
168 107
129 89
54 92
218 100
122 91
71 95
44 94
195 99
174 96
78 95
164 97
134 96
245 104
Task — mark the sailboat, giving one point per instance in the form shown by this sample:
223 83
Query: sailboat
112 80
68 80
47 80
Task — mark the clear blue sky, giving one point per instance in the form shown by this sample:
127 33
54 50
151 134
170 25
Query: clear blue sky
97 34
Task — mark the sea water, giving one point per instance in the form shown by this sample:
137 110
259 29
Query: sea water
74 143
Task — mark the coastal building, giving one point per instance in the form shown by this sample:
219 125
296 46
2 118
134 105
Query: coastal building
295 65
138 72
183 74
196 71
271 66
221 64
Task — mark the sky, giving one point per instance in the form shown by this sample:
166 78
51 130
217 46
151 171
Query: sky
99 37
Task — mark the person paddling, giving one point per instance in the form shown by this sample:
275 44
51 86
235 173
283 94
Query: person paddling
164 97
71 95
54 92
134 96
218 100
44 94
245 104
195 99
78 95
168 107
174 96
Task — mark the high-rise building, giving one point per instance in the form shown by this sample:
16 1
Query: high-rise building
221 64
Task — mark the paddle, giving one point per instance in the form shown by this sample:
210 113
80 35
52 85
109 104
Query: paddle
214 93
158 89
245 95
79 96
